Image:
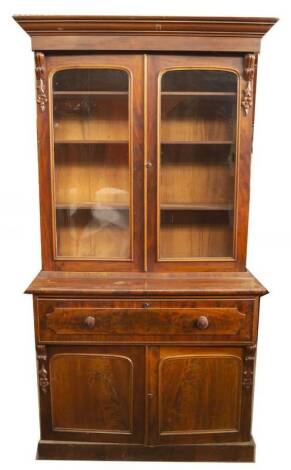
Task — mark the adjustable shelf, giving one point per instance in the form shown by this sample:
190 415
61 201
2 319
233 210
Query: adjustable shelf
100 93
197 207
214 94
93 142
197 142
92 205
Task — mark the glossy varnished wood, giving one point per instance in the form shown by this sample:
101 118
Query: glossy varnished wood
85 395
133 65
157 66
220 26
154 43
146 284
152 357
158 33
145 321
215 452
216 246
190 381
94 394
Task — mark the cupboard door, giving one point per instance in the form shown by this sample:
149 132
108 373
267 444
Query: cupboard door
97 161
197 163
93 394
196 394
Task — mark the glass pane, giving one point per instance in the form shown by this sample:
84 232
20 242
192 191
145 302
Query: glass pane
197 164
91 164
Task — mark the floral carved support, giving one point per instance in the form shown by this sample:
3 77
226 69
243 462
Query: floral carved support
249 73
42 368
249 362
41 96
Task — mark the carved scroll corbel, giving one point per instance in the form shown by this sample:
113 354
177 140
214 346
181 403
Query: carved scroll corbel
42 368
249 73
41 97
249 362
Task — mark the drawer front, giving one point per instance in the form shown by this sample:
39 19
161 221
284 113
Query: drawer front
145 321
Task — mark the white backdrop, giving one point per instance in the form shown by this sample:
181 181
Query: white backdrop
269 254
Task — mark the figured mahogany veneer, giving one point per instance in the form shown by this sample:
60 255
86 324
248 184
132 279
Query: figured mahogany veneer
146 318
132 321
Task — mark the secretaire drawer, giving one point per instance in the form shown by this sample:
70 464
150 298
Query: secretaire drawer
145 320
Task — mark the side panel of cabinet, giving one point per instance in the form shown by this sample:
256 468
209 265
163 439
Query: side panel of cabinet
199 147
90 145
92 393
197 395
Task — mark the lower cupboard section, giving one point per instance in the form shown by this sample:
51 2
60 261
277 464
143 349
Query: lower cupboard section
145 395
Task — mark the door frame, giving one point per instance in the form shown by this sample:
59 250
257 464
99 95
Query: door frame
136 357
157 65
133 64
244 400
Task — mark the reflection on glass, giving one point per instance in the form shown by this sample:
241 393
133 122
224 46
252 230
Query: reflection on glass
197 163
91 163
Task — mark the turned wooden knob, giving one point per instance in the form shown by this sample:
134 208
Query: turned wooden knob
89 322
202 323
146 305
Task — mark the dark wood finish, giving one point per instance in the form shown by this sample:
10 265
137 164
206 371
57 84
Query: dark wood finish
85 396
186 383
145 33
158 64
43 381
161 25
137 321
152 357
134 65
214 452
95 394
41 96
148 43
146 284
218 236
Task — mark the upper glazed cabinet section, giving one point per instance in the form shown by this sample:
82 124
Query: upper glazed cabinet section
145 157
193 155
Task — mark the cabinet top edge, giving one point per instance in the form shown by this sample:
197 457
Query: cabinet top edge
146 284
43 25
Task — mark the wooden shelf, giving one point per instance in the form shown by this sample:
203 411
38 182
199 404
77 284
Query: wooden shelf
197 142
92 205
197 207
95 142
102 93
199 93
163 142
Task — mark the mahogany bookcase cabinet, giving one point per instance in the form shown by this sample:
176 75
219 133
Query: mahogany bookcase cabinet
146 318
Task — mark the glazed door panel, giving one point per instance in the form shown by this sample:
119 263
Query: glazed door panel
196 394
197 166
92 164
94 394
96 148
